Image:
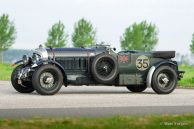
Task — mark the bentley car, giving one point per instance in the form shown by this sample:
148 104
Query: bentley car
48 69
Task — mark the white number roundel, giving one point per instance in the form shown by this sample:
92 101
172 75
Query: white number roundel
142 62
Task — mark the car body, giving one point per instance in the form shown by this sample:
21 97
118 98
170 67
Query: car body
48 69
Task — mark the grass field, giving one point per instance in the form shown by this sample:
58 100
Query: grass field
187 81
5 71
188 78
120 122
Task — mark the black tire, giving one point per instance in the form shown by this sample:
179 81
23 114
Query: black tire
25 87
104 68
40 77
137 89
159 85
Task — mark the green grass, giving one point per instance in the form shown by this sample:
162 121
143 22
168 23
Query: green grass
188 78
5 71
187 81
120 122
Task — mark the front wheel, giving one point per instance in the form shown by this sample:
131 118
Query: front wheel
25 86
137 89
164 80
47 80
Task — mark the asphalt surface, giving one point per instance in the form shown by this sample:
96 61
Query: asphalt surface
93 101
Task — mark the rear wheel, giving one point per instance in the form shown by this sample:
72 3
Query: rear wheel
164 80
137 89
47 80
25 86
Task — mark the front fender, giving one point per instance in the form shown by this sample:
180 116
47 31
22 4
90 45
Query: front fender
153 69
17 62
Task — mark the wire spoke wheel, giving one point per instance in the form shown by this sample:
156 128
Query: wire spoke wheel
105 67
47 80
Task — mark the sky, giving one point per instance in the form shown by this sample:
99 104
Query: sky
33 18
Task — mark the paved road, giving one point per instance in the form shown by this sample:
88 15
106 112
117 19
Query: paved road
93 102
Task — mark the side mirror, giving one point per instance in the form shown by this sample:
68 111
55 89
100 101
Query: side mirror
114 49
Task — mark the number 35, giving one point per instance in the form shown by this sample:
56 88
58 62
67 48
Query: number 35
142 63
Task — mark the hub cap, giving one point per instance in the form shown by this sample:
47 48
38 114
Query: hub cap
105 67
163 80
47 80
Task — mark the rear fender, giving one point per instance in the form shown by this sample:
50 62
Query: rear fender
153 69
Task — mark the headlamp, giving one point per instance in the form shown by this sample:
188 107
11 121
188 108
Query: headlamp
35 58
25 59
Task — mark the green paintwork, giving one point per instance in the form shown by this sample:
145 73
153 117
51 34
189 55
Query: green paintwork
129 74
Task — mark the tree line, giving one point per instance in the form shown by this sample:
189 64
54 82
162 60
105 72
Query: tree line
141 36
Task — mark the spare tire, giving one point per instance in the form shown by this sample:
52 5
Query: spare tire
104 68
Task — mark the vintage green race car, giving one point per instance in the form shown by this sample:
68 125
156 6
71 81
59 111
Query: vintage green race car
48 69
